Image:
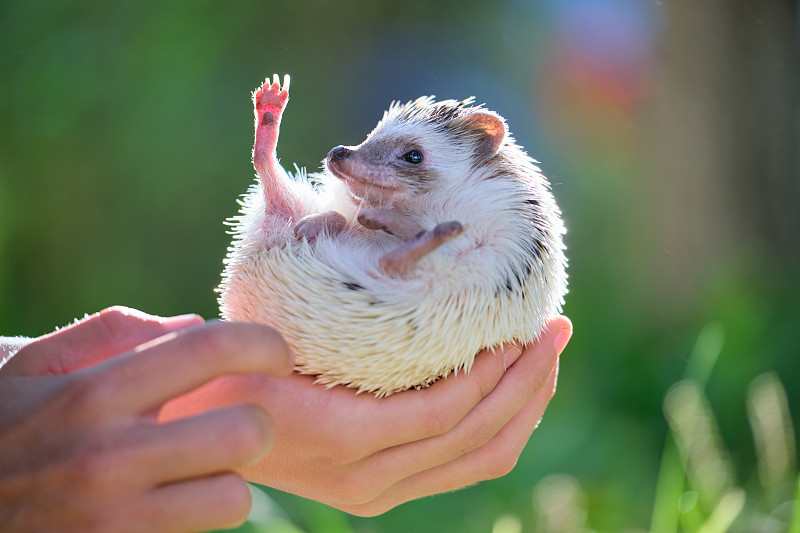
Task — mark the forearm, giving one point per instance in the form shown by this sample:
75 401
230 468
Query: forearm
9 346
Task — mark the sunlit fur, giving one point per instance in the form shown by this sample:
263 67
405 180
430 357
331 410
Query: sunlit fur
351 324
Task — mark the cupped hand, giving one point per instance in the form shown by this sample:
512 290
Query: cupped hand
81 449
366 455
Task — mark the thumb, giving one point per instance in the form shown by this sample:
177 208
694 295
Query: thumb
89 341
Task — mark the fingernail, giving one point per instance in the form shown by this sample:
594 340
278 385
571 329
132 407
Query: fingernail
182 321
511 354
562 338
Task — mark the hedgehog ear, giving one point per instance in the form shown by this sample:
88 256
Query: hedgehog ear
490 128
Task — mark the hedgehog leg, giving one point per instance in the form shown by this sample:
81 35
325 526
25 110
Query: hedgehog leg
269 102
401 260
329 222
391 222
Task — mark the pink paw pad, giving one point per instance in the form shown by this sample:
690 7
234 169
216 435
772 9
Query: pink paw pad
270 100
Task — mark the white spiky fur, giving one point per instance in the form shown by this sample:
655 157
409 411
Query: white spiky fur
389 334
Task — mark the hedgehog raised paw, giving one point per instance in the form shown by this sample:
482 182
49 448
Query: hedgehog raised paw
434 238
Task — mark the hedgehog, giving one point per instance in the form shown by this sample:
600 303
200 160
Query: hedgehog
406 255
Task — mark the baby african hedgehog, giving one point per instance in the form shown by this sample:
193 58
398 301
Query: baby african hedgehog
434 238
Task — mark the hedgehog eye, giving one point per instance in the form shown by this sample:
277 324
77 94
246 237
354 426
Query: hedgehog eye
414 156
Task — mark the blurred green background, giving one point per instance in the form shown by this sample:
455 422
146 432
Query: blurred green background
668 129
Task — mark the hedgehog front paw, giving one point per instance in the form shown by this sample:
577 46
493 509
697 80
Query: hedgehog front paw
391 222
400 261
311 226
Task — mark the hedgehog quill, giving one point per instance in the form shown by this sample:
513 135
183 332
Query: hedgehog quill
434 238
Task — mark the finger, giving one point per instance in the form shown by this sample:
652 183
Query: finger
494 459
378 423
94 339
515 390
419 414
414 415
221 439
221 501
174 364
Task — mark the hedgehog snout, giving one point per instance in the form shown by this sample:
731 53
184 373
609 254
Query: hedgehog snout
339 152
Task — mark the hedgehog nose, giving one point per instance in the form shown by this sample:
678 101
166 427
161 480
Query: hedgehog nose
340 152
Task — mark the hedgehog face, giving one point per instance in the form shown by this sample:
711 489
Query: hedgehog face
385 169
417 150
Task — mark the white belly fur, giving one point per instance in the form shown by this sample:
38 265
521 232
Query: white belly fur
382 335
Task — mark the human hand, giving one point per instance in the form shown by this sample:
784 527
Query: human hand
81 449
365 455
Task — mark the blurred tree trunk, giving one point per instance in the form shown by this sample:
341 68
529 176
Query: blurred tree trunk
725 135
